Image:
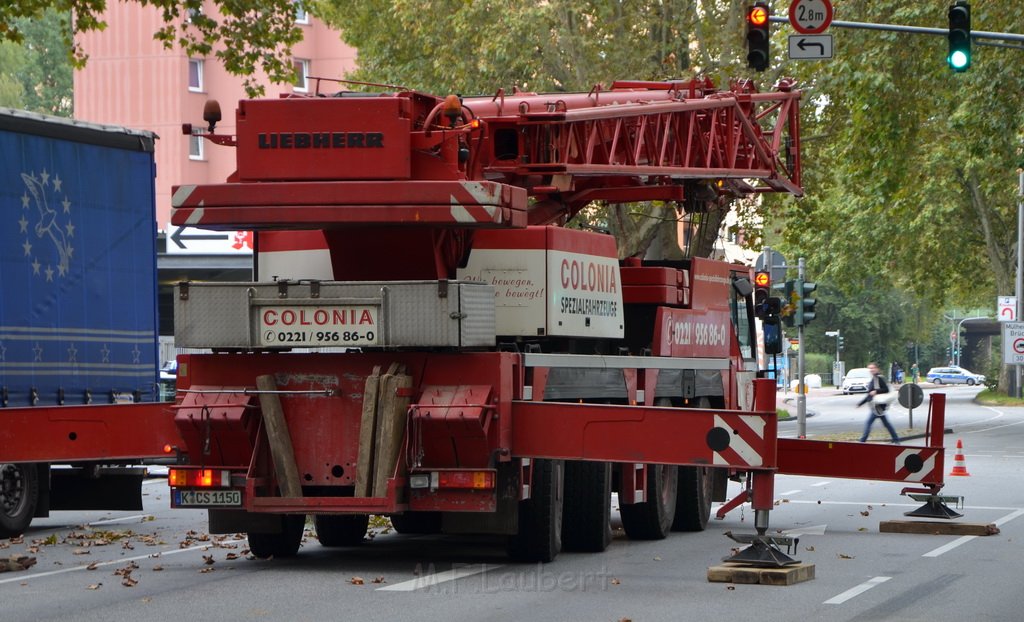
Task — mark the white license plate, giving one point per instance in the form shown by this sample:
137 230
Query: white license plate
207 498
319 326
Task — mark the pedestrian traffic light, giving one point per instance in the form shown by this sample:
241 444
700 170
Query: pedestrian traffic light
762 291
959 58
805 307
758 36
839 343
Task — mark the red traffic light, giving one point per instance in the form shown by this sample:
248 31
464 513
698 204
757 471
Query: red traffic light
758 15
762 279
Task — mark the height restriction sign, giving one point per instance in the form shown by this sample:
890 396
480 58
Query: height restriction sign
810 17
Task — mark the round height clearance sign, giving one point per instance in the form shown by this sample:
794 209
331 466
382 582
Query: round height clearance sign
1013 343
810 17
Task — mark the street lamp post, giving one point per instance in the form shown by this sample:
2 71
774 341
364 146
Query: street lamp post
956 355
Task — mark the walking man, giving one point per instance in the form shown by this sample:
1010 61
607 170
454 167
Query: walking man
878 407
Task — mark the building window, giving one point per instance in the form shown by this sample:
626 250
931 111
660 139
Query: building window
193 13
301 75
195 75
301 16
196 144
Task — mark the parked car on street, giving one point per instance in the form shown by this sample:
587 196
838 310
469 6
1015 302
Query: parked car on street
856 380
953 374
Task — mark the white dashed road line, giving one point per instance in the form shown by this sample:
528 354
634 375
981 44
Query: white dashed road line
856 591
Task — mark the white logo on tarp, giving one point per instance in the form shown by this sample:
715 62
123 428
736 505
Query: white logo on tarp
46 226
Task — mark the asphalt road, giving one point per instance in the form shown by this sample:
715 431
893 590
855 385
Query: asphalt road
174 570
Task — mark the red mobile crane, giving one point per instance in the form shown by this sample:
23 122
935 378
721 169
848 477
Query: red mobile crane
425 340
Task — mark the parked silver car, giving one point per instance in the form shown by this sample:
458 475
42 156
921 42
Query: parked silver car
856 380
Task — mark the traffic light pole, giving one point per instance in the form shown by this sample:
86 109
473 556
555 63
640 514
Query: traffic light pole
801 398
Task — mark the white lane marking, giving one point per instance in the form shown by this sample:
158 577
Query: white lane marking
949 546
900 505
431 580
825 483
789 492
856 591
965 539
112 562
122 519
811 530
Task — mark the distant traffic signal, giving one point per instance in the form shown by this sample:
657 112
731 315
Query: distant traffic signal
805 307
762 291
959 58
758 36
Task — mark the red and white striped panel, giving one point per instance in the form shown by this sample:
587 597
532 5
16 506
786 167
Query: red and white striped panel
293 255
477 202
915 465
746 440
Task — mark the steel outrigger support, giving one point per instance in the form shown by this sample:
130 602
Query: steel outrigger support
934 503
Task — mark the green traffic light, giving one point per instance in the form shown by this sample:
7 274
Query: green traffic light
959 60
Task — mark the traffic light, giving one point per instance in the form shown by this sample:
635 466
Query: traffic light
959 58
805 306
762 291
839 343
758 36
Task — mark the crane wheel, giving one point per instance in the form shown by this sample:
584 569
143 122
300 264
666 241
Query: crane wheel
19 493
693 500
282 544
586 517
539 535
652 519
341 529
417 522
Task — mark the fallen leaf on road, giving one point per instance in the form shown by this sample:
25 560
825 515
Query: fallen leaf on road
81 551
230 556
356 581
862 529
94 586
208 559
865 513
809 548
616 581
17 562
657 558
730 587
92 566
127 581
207 569
845 556
157 568
378 580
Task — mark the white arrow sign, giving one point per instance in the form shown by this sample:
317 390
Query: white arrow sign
810 47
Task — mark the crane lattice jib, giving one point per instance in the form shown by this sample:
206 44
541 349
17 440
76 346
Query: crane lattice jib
413 159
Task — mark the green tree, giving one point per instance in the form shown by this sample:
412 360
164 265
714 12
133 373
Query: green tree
244 36
39 65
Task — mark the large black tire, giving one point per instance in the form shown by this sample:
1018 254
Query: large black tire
693 500
652 519
279 545
586 516
19 493
341 529
539 537
417 522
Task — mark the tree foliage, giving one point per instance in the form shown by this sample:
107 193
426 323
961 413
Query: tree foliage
36 74
244 36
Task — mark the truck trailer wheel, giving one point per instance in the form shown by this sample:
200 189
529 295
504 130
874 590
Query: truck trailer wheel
693 500
539 537
341 529
19 492
283 544
586 515
652 519
417 522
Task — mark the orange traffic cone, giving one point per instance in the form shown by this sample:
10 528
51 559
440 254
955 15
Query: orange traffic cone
959 466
